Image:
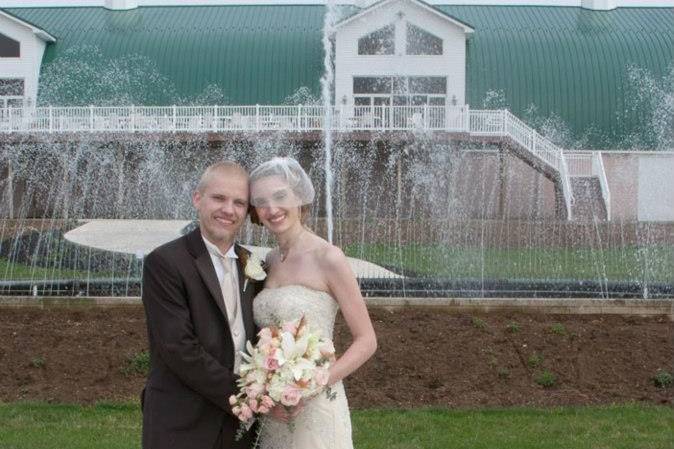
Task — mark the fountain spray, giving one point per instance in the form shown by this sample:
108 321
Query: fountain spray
327 82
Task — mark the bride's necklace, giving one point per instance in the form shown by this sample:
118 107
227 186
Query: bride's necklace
286 251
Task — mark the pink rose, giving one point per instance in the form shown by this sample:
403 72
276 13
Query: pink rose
263 410
265 335
267 402
232 400
270 363
246 413
290 327
322 376
291 396
254 390
252 403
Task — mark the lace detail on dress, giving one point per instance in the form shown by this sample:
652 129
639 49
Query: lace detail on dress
323 424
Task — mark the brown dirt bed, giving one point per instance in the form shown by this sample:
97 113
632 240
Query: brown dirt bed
426 357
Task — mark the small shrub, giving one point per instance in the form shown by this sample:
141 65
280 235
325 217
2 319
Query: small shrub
138 363
38 362
503 373
558 329
535 360
663 379
546 379
478 323
513 327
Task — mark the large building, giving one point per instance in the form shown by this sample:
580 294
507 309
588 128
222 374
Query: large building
579 62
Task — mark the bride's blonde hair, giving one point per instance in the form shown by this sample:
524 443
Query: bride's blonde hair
289 170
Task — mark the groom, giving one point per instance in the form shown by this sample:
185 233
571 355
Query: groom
198 305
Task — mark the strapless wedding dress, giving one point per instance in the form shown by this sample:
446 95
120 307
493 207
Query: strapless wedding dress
323 423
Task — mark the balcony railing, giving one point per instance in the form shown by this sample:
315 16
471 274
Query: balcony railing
231 118
259 118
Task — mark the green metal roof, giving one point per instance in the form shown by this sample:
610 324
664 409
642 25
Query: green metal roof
565 60
568 61
255 54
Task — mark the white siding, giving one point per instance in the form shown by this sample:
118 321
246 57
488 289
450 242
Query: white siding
451 64
27 66
656 187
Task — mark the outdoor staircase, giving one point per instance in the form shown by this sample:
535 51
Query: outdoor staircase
588 204
493 126
581 187
535 150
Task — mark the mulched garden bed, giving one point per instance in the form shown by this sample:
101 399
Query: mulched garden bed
426 357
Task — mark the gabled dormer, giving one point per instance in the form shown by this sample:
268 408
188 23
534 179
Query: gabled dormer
22 46
400 52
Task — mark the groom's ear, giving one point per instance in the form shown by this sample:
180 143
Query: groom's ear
254 218
196 197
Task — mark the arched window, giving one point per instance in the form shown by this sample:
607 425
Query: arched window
420 42
9 48
380 42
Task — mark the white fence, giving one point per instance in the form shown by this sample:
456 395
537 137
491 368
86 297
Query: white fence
259 118
231 118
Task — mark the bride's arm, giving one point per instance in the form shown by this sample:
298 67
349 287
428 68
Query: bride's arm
343 285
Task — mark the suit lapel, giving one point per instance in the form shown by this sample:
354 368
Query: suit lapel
207 273
245 292
202 260
204 265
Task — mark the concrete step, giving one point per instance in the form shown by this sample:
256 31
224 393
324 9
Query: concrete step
588 203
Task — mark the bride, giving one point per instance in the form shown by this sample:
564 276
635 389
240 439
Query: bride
306 276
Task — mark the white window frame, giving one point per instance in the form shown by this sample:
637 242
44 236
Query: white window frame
391 95
393 52
12 58
4 99
442 41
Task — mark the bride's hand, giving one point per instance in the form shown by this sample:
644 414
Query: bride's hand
294 411
280 413
286 414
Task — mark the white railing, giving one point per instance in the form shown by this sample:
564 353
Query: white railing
566 187
598 170
591 164
259 118
231 118
580 164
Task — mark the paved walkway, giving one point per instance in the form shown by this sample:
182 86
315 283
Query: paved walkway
139 237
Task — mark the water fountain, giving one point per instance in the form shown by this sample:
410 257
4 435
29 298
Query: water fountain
429 211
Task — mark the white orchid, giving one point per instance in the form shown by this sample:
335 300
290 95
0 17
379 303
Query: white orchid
289 362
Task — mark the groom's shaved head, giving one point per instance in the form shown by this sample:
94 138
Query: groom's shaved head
222 168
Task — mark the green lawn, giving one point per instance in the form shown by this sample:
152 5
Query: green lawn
17 271
621 264
108 426
654 264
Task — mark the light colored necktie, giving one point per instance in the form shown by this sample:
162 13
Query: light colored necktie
229 290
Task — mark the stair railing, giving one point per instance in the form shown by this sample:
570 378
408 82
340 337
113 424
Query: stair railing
542 149
599 171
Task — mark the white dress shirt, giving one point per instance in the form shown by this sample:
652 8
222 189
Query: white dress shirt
236 327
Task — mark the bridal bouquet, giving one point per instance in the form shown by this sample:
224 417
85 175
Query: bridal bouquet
288 364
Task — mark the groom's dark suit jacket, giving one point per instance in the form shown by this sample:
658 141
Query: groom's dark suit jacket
185 400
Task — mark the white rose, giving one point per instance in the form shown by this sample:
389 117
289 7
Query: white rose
254 269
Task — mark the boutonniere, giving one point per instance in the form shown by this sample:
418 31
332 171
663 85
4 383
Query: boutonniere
253 268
